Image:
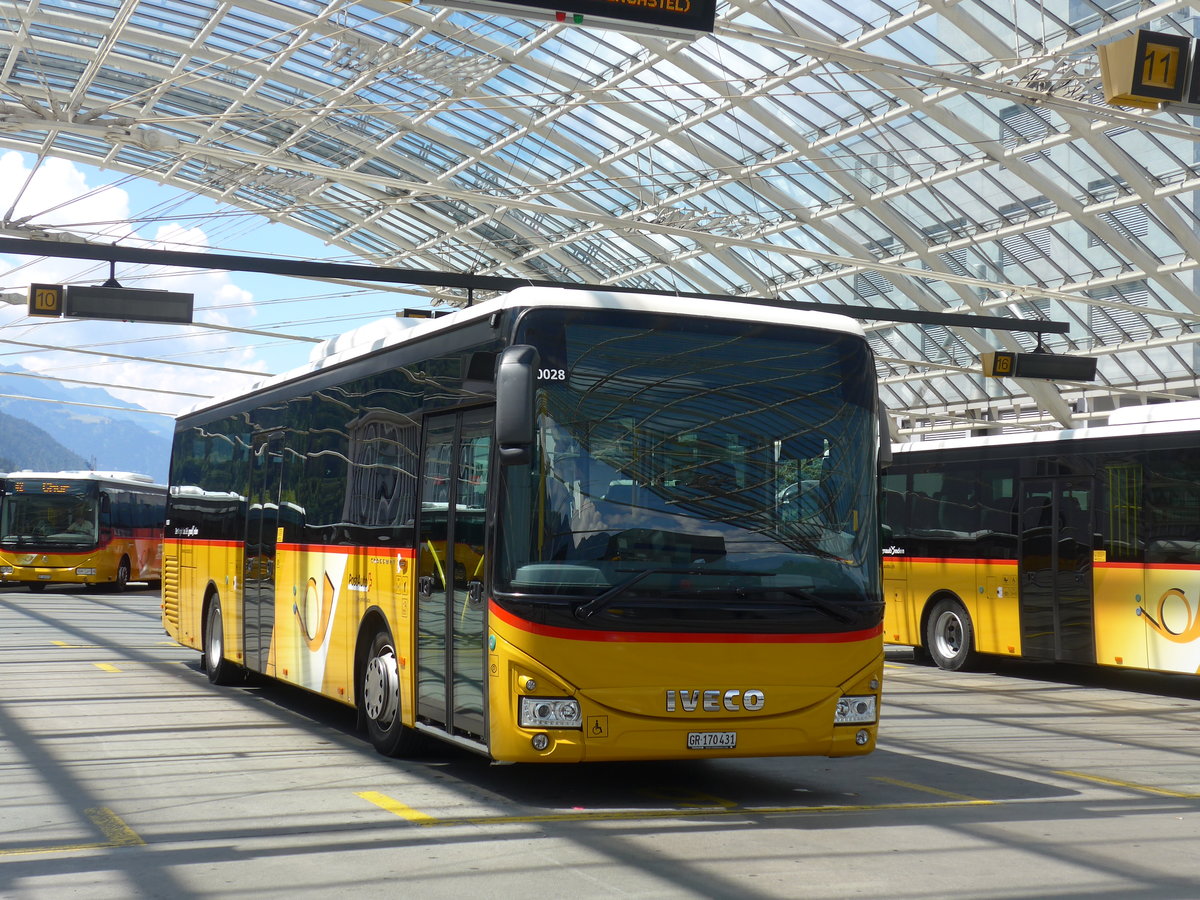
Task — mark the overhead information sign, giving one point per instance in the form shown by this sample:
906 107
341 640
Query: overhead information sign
679 16
1148 69
128 304
1008 364
46 300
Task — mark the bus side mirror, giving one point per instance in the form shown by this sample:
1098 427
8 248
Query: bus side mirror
885 434
516 419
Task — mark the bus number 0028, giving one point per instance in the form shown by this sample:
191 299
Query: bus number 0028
552 374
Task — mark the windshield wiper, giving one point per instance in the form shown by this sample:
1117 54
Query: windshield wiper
831 609
603 600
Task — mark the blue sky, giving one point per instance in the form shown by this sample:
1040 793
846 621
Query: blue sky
64 196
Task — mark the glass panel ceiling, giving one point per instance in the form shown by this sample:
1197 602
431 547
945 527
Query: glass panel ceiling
937 157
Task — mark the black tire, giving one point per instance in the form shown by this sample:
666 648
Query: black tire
379 696
220 670
121 582
950 636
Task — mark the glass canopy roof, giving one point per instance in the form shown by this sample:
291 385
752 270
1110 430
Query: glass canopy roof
949 157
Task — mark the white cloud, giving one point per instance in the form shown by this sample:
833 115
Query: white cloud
58 197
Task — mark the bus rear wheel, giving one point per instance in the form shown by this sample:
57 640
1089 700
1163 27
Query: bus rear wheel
121 582
950 636
220 670
379 694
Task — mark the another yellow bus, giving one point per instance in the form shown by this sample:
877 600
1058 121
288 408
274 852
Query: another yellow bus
89 528
554 526
1079 546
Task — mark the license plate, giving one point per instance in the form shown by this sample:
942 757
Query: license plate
712 740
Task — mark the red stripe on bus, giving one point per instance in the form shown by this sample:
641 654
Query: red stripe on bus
1158 567
689 637
408 552
1183 567
311 548
949 560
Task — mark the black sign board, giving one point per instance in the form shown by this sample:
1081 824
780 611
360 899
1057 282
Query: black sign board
128 304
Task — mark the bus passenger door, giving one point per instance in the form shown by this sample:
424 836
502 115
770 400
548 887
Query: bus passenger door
450 602
1056 570
262 523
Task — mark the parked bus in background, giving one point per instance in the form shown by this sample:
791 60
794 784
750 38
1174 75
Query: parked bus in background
90 528
553 526
1079 546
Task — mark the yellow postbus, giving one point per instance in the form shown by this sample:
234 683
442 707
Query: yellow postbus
553 526
1079 546
89 528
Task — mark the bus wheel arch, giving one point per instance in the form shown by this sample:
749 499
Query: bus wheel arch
377 689
219 669
949 633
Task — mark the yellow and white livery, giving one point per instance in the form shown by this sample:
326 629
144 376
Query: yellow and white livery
556 526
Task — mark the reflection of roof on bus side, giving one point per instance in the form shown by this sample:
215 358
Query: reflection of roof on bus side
1128 421
385 333
191 490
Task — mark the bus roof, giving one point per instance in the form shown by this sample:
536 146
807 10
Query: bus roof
1125 425
131 478
391 332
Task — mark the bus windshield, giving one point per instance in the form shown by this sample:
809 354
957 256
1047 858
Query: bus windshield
695 473
48 515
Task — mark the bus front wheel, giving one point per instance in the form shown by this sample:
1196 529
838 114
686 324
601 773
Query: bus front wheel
379 694
220 670
950 636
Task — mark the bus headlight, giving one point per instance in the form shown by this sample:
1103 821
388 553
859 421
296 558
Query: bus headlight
549 712
85 571
851 710
5 570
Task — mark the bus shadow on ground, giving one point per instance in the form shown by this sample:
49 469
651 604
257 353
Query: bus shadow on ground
784 784
882 779
1164 684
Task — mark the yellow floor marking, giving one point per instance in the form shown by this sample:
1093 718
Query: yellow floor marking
105 667
383 801
937 792
412 815
1130 785
112 826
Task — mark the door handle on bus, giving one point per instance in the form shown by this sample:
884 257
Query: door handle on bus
475 592
425 585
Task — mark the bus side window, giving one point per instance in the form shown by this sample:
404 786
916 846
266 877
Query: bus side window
105 511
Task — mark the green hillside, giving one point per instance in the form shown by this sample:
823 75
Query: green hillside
25 446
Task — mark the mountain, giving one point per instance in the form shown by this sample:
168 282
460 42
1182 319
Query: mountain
106 439
25 446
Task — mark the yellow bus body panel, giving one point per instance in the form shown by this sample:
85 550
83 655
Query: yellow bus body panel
624 706
331 590
144 554
986 588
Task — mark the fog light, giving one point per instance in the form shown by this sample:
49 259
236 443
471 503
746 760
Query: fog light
540 742
5 570
549 712
862 737
851 710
